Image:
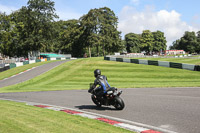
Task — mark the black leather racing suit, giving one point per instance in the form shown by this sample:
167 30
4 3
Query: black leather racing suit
101 80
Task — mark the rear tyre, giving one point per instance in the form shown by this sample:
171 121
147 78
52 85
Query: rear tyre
118 103
96 101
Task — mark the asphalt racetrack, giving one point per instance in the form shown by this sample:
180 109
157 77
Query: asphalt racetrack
30 74
174 109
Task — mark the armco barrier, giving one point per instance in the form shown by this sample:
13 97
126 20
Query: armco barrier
52 58
31 61
136 61
163 63
175 65
42 60
38 60
197 68
126 60
19 64
119 59
156 63
106 58
12 65
112 58
145 62
4 68
25 62
153 62
188 66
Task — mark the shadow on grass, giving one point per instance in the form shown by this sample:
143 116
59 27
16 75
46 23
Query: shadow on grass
94 107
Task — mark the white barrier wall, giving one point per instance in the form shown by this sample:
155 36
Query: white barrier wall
126 60
188 66
63 58
42 60
52 58
145 62
31 61
163 63
19 64
112 58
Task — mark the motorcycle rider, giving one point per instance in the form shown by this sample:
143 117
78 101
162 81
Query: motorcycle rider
100 80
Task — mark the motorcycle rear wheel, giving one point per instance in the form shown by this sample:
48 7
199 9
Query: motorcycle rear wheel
96 101
118 103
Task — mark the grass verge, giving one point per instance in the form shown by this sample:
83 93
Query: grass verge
20 118
77 74
16 70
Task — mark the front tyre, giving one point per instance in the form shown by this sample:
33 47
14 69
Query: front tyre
96 101
118 103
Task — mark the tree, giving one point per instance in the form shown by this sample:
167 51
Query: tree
188 42
159 43
175 45
9 34
147 41
70 37
100 31
132 43
38 29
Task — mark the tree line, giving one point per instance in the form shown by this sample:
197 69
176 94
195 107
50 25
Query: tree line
150 42
34 28
189 42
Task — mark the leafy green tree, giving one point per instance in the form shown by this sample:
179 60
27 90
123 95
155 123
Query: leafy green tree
38 30
132 43
70 37
9 34
147 40
198 42
175 45
159 43
100 31
188 42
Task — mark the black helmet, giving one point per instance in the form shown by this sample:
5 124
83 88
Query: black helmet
97 72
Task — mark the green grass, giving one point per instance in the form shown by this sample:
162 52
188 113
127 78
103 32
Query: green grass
20 118
77 74
16 70
177 60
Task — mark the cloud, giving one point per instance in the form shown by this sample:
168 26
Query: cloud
169 22
135 2
7 9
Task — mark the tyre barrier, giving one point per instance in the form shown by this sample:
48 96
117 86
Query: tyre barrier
156 63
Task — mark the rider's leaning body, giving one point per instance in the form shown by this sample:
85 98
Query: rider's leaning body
100 81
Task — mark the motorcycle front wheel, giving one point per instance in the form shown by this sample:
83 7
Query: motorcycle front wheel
118 103
96 101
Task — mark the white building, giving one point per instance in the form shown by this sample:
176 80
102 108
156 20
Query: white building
174 52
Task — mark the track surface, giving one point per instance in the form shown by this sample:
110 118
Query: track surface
30 74
175 109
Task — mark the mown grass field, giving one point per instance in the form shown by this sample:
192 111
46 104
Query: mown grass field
177 60
17 70
21 118
78 74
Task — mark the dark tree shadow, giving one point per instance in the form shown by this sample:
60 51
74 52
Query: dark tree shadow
94 107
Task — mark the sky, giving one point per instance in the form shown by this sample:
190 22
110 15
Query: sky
173 17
